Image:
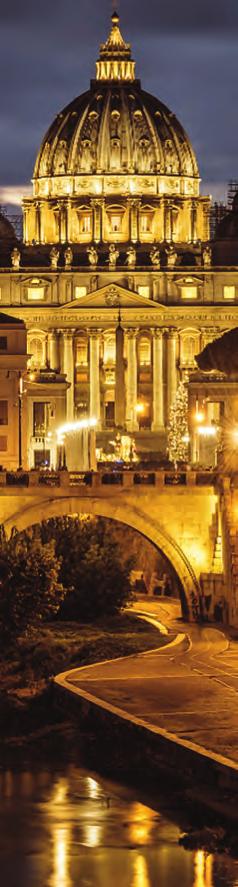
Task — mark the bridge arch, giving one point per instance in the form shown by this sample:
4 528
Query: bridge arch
126 513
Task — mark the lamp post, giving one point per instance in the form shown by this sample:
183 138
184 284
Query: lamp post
20 393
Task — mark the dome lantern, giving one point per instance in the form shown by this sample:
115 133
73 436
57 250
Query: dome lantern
115 61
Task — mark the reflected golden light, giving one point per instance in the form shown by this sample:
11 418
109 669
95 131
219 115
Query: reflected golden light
93 835
59 793
140 874
93 787
203 866
141 823
61 855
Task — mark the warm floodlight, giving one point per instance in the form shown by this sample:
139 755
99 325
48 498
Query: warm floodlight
199 416
139 408
76 426
207 431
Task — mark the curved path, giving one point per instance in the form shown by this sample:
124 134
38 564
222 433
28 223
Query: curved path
188 689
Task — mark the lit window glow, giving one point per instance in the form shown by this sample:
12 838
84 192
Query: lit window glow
80 292
229 292
144 291
189 292
35 293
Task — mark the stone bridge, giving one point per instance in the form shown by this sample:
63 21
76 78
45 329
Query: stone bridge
178 512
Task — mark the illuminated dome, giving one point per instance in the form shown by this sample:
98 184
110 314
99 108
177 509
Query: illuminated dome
115 127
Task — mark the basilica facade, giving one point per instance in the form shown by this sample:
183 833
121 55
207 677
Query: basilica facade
116 280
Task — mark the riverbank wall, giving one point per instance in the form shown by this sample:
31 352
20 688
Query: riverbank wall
126 747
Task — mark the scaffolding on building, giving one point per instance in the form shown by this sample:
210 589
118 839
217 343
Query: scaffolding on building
232 190
16 220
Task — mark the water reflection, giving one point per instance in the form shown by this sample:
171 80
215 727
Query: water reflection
203 866
71 829
61 857
141 874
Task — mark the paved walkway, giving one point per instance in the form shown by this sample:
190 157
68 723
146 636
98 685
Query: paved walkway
189 689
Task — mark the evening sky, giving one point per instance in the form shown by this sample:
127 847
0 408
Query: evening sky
186 54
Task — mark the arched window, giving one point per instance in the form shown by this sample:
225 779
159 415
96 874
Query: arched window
144 351
36 348
110 350
81 351
190 345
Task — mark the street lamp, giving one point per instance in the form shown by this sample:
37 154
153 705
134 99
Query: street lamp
20 393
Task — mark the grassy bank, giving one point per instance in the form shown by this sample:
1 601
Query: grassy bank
26 698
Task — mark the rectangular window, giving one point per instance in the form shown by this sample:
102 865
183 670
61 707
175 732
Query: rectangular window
3 343
40 418
145 223
85 224
35 293
229 292
189 292
144 291
80 291
3 443
3 412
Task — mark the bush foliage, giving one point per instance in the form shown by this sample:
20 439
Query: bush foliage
70 567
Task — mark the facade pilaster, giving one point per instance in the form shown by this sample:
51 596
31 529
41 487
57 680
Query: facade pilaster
131 385
171 367
68 368
158 388
95 405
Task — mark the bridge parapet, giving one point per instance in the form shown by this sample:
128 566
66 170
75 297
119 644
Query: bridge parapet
126 478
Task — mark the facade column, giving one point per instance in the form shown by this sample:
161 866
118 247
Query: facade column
131 386
38 223
171 368
168 222
95 405
97 220
158 388
194 231
134 221
67 222
156 288
119 379
53 350
25 223
68 368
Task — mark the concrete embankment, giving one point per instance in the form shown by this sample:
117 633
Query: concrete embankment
124 707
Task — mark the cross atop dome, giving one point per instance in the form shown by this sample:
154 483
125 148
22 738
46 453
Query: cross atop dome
115 61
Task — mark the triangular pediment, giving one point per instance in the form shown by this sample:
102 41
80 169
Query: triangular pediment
112 296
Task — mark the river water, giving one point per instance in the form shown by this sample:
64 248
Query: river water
71 828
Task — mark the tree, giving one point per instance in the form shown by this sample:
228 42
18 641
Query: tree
92 570
178 437
30 590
